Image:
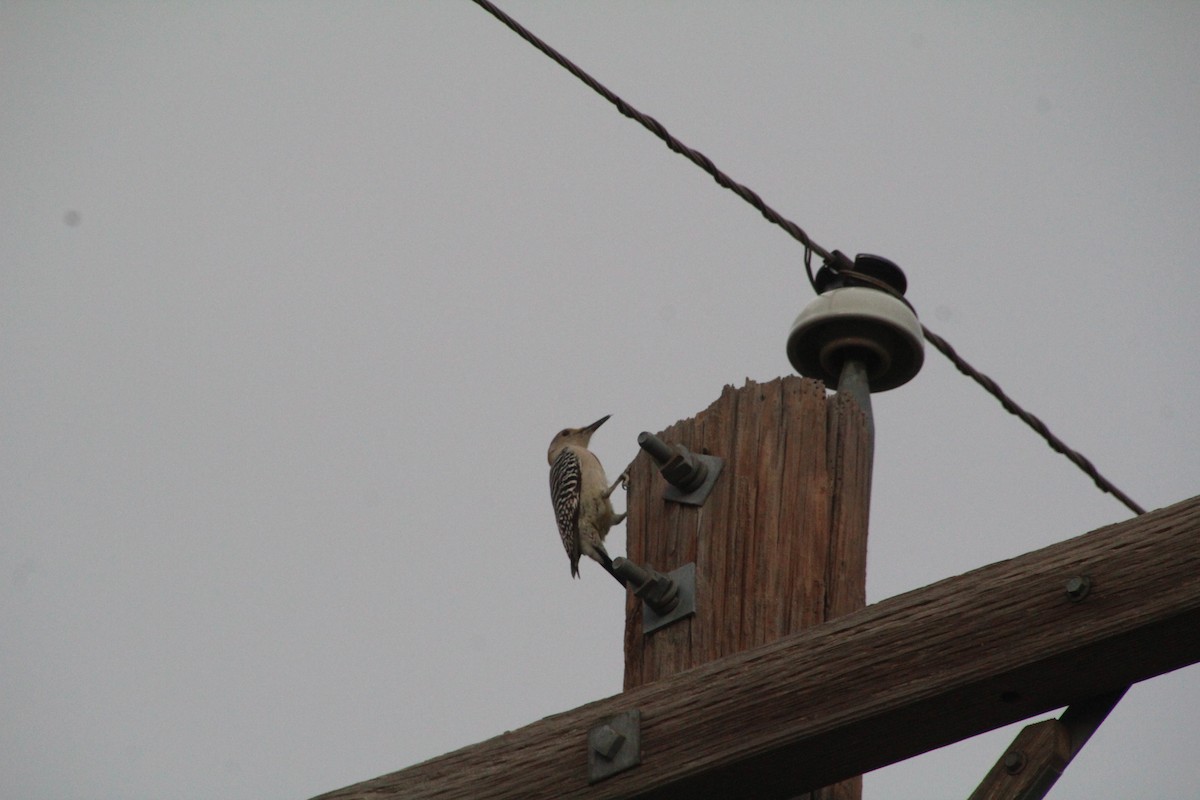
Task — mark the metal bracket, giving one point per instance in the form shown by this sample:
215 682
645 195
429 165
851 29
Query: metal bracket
614 745
685 579
691 476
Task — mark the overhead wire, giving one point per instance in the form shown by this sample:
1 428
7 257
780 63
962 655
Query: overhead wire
657 128
834 259
1010 405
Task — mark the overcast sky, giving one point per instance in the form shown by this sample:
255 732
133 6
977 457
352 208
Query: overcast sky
295 294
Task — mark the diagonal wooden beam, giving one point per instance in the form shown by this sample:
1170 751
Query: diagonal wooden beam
1041 752
1033 762
901 677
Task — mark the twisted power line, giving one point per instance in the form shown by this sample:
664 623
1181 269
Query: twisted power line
656 127
1010 405
835 259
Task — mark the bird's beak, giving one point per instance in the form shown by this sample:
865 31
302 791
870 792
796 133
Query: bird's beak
590 429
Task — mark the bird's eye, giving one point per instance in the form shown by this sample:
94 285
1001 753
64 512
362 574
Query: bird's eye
564 432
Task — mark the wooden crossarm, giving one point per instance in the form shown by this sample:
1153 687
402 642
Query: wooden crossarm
903 676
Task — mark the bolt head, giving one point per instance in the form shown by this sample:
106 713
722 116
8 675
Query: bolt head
606 742
1014 761
1078 587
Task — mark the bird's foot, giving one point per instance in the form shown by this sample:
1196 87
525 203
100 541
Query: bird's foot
622 481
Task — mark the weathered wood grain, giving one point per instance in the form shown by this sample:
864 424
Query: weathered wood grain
765 543
903 676
776 548
850 454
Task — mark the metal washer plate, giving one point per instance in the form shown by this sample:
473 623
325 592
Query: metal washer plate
685 578
627 725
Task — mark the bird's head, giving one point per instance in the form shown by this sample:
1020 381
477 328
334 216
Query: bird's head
576 436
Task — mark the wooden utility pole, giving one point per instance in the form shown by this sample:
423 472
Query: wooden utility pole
780 545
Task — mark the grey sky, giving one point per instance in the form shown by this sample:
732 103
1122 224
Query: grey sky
294 296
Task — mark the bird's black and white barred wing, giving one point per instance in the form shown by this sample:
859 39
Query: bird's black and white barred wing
566 484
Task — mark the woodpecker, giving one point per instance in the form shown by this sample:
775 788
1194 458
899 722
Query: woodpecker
580 494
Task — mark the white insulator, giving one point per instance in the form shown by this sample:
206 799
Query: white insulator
857 322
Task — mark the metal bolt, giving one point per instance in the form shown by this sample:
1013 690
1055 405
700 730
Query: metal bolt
678 465
1014 762
614 745
659 450
1078 588
606 742
657 590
